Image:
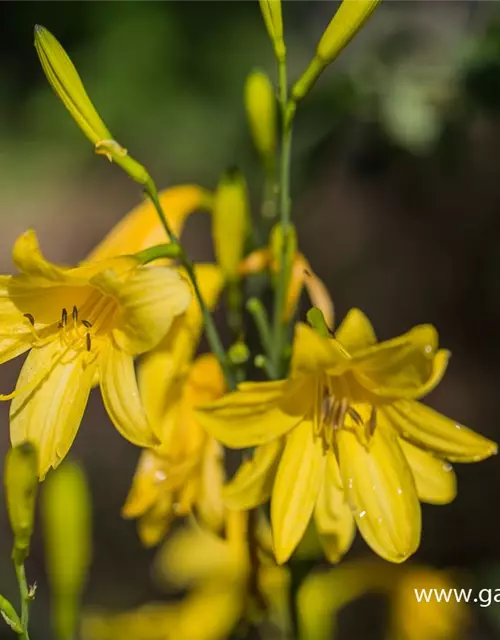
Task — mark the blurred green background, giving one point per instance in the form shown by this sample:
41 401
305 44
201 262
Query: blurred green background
396 188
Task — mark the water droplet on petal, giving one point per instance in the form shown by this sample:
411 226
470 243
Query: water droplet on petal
447 466
362 514
428 349
351 483
400 491
160 475
380 519
458 426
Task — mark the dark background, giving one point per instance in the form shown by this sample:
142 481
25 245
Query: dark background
396 189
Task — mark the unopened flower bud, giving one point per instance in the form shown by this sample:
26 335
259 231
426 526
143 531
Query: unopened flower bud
67 84
348 20
260 103
230 222
66 513
271 12
21 484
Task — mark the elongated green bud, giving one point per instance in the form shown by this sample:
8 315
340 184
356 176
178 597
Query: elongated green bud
230 222
260 104
271 12
21 484
350 17
10 616
64 79
66 516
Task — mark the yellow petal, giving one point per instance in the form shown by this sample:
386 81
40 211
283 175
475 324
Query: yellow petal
210 613
121 396
434 478
313 354
150 622
142 227
295 285
334 522
381 493
209 503
257 413
253 482
49 415
153 525
355 331
437 433
40 277
296 489
192 555
145 488
149 301
402 367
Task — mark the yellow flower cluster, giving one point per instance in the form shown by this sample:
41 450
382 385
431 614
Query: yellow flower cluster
336 441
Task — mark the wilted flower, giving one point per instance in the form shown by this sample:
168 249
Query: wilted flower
78 324
347 423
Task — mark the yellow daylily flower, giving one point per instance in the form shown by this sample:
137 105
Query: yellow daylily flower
142 228
344 434
185 471
301 276
228 580
322 596
78 323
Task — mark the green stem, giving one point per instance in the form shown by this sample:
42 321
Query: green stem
25 598
211 330
287 115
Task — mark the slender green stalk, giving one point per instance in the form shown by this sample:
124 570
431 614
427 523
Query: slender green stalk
287 115
210 328
25 598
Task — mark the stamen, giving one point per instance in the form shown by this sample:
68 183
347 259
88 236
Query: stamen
339 418
30 318
371 424
355 416
86 323
88 341
373 421
64 318
74 314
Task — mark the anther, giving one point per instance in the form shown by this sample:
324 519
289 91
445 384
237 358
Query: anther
355 416
30 318
74 314
86 323
88 341
373 421
64 318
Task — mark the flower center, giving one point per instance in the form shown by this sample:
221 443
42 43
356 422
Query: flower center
78 329
340 411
